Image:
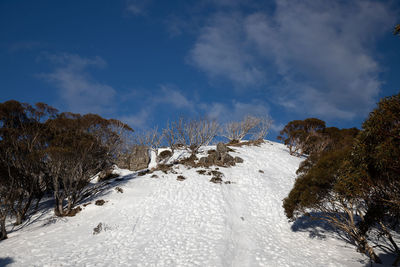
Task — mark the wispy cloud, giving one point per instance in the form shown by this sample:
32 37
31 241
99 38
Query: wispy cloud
139 120
234 110
166 96
137 7
77 88
319 54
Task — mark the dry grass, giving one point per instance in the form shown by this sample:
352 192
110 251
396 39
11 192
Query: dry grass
246 143
202 172
73 212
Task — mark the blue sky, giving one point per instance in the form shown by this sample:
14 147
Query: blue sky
147 61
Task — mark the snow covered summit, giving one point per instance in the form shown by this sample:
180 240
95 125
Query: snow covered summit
158 220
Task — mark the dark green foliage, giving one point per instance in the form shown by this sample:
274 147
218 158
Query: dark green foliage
354 183
303 136
316 178
378 153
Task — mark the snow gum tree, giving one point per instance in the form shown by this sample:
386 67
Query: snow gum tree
235 131
354 184
191 133
375 168
79 147
303 136
22 142
261 130
41 150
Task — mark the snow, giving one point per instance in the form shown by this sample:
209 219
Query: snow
165 222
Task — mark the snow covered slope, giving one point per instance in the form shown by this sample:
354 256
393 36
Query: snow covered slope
166 222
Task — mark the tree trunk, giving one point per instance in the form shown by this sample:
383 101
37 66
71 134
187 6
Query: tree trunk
21 214
3 233
18 218
365 248
59 207
69 206
372 254
37 202
389 236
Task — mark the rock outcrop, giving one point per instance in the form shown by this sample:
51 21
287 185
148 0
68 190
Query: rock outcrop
220 157
138 159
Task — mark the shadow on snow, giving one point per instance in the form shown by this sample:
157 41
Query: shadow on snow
6 261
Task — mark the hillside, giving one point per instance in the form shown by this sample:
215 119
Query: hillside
166 222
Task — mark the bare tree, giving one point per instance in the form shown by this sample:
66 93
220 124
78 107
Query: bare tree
261 130
152 139
236 131
199 132
192 133
170 135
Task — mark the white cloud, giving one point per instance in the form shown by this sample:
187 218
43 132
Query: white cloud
319 53
77 89
221 51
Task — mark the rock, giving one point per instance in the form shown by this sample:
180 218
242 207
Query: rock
217 174
228 160
203 160
107 174
190 161
202 172
165 155
181 178
97 229
222 148
238 160
212 158
139 158
99 202
216 180
211 151
219 157
143 173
